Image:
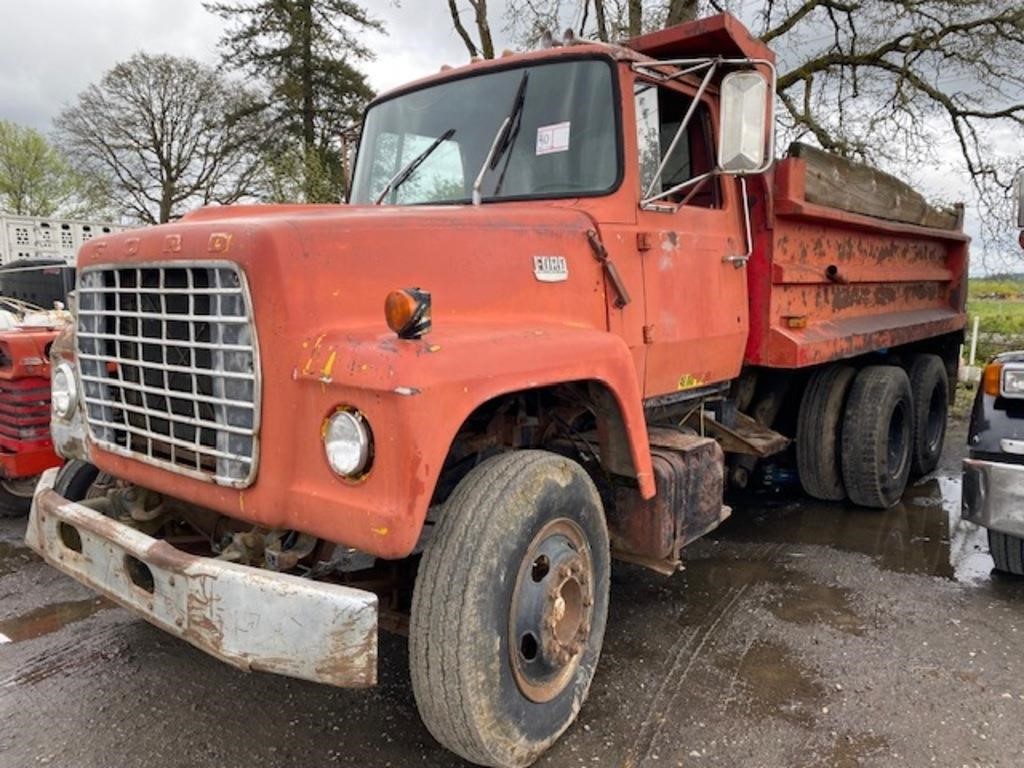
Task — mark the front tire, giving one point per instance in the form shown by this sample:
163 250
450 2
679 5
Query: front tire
509 608
75 479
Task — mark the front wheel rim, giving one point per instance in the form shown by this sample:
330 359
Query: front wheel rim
552 608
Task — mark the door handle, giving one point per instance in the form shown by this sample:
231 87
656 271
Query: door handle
737 261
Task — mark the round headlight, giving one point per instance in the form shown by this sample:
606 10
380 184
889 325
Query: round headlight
347 443
64 390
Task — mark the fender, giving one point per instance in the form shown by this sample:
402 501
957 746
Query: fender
402 386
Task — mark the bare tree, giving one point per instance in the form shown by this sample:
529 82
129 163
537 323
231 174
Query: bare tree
887 82
485 47
167 134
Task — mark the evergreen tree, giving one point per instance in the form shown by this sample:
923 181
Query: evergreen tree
304 51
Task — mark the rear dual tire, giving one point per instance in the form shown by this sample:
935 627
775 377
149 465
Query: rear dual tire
929 386
818 430
863 434
877 436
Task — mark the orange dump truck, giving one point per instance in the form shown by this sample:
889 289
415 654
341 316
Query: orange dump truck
571 300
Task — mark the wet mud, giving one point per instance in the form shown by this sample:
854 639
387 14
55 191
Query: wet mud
799 634
49 618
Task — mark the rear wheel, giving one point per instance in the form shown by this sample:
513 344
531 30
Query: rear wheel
509 608
929 386
1007 552
877 436
818 427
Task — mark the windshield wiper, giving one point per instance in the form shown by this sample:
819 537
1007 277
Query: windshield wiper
503 139
410 168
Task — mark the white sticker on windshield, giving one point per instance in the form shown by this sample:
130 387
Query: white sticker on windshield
553 138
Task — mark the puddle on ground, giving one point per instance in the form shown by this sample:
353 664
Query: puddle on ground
13 556
771 682
797 598
813 604
49 619
922 534
852 749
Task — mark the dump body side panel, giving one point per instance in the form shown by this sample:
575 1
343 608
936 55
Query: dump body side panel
826 284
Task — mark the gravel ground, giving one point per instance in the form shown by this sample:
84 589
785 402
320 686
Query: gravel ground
800 634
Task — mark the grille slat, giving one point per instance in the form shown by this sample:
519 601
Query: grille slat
169 367
24 414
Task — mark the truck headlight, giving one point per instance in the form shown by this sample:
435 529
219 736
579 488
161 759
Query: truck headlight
64 390
1013 382
347 442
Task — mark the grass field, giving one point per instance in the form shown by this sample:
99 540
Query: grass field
999 303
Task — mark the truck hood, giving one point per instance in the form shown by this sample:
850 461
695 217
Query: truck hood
312 269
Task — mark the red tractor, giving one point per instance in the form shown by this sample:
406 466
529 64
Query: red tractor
26 333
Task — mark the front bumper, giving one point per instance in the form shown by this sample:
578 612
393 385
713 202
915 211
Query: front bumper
250 618
993 496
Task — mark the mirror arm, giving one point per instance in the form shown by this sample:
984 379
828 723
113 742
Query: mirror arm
740 261
682 127
678 188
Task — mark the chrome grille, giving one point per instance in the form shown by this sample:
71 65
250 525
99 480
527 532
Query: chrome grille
170 367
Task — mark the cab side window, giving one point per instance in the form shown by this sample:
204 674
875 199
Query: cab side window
659 112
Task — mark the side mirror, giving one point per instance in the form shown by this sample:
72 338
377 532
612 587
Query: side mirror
1018 194
743 130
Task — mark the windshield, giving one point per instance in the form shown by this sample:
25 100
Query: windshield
562 138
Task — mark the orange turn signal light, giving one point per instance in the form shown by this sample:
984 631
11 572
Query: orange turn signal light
408 312
991 379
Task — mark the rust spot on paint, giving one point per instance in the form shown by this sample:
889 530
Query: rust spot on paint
329 366
689 381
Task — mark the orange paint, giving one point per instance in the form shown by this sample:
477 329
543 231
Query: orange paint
694 318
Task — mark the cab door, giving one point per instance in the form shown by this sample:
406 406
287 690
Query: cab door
695 287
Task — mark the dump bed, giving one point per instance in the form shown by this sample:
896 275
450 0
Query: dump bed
827 283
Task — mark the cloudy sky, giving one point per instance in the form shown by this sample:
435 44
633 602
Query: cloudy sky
51 49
